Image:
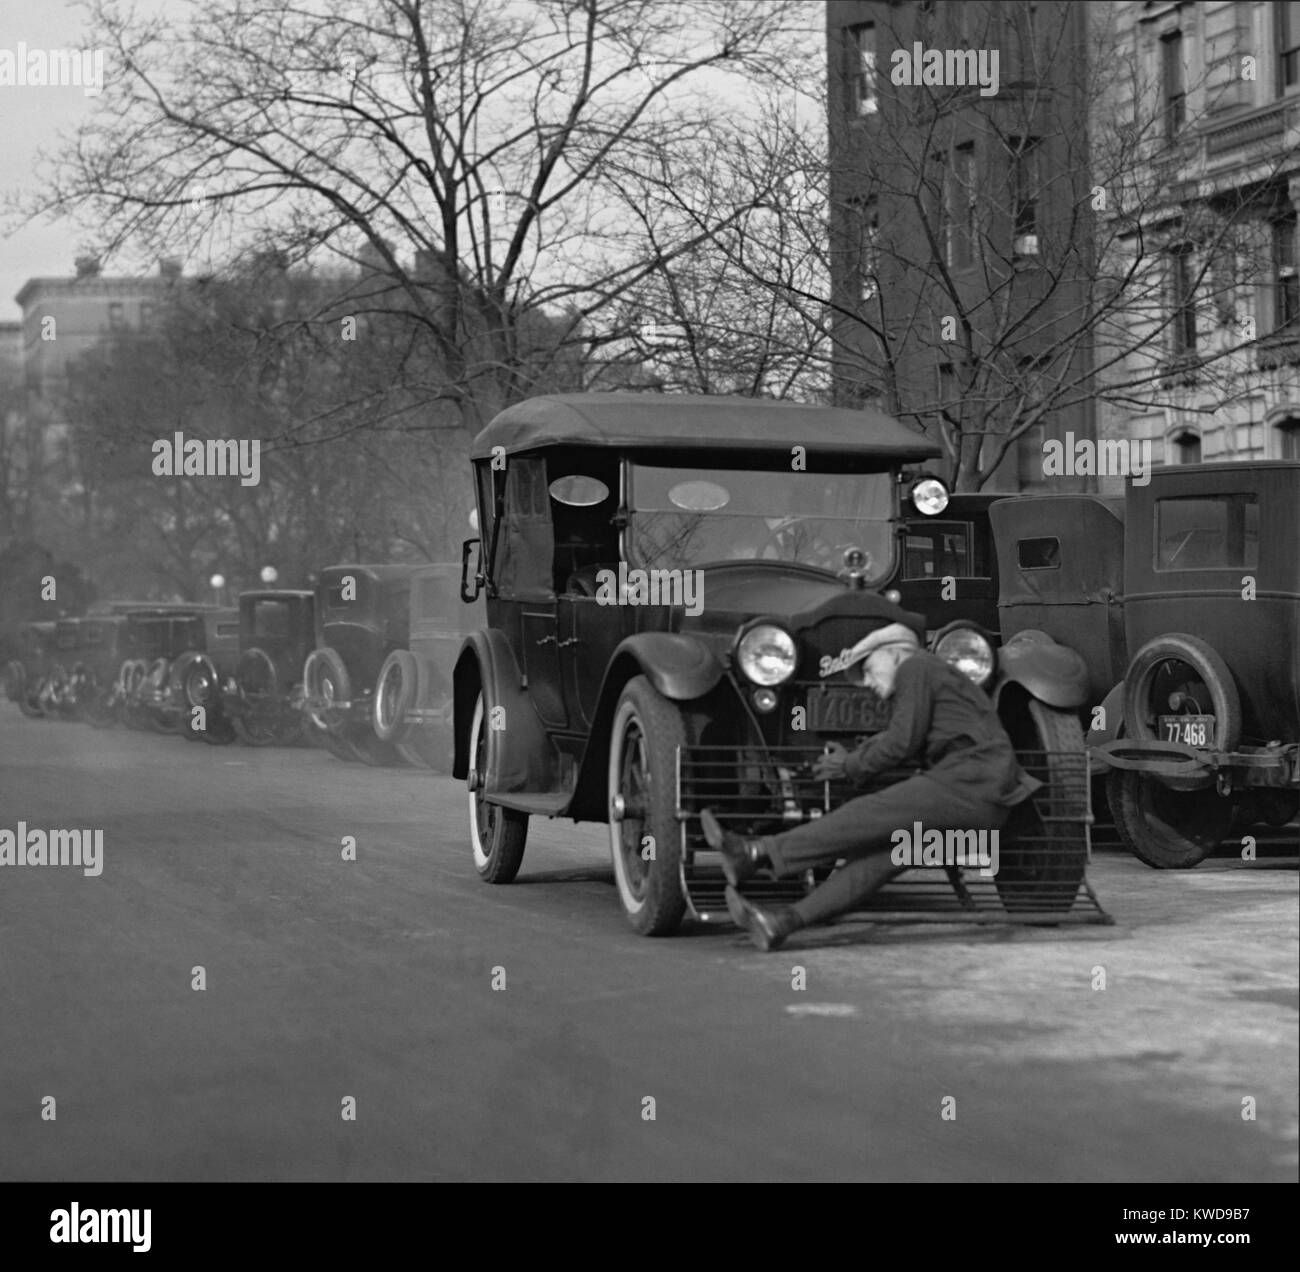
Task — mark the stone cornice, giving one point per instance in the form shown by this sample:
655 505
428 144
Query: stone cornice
90 288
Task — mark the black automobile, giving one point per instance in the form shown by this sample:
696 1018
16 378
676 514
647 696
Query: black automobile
362 616
1202 731
947 565
193 704
33 679
263 699
673 586
153 637
413 701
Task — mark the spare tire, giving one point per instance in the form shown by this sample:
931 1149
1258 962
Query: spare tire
325 681
255 674
1185 665
397 691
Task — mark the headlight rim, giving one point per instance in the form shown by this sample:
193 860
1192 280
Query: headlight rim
746 633
922 480
964 625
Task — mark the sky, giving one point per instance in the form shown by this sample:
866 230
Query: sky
31 119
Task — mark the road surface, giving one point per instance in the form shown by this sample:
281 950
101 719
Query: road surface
524 1032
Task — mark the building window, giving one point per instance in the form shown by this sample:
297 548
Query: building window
1287 20
1024 193
1182 301
1173 82
1289 438
1187 449
146 313
1286 291
862 69
865 226
116 316
961 207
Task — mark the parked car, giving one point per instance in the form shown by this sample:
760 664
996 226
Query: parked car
362 616
264 699
947 566
413 699
1061 571
154 637
95 662
27 678
1204 727
672 584
194 704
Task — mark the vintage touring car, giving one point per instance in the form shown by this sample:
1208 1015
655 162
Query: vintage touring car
1203 728
671 584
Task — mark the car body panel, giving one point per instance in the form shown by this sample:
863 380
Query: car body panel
1197 587
1060 569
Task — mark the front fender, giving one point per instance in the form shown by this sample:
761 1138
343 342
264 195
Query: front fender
1052 673
682 668
679 667
520 756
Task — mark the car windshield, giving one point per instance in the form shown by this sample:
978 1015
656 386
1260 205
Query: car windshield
684 517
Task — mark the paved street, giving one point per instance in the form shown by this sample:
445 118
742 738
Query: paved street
373 979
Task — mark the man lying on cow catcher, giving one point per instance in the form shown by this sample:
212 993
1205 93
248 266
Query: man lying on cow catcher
970 781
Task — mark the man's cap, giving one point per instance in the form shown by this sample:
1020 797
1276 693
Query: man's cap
890 634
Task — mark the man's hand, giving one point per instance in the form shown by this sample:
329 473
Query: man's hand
829 767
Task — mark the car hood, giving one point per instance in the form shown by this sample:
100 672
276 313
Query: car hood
796 596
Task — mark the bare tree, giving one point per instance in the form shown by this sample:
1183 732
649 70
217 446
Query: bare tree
985 265
468 150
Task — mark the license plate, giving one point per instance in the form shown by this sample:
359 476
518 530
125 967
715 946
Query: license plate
1190 730
842 710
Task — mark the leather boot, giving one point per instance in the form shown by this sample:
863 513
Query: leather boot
767 928
741 858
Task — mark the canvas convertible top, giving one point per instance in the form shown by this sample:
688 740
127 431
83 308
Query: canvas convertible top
650 421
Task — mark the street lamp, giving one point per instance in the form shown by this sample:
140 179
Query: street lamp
217 582
269 574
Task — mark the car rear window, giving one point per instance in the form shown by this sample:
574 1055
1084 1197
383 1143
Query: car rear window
270 619
1039 554
1208 532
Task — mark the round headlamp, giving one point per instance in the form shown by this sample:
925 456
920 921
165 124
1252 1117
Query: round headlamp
766 654
968 651
929 496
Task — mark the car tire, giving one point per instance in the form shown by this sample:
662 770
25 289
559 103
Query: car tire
497 835
397 691
1206 663
325 677
29 701
85 691
255 674
647 732
1167 829
220 730
15 680
1042 862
